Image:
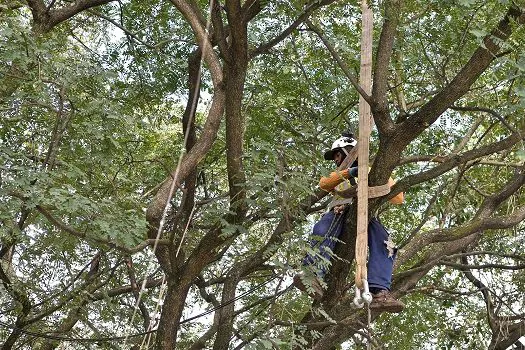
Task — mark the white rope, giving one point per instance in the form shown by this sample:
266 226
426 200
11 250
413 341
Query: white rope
170 195
369 321
156 316
185 230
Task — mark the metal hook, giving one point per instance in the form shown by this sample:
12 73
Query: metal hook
360 300
367 296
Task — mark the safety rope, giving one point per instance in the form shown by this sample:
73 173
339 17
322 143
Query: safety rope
153 322
174 181
368 322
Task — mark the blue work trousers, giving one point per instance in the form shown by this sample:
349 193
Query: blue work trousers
381 253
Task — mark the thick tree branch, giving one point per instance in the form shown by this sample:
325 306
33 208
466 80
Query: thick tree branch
238 27
234 79
513 335
380 109
189 162
45 19
466 266
450 162
460 85
203 339
62 14
441 159
220 34
490 204
335 334
250 9
391 147
223 318
197 22
182 218
481 222
475 226
485 252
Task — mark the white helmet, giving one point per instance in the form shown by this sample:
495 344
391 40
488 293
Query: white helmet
340 143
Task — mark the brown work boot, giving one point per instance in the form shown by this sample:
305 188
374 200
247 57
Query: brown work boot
384 301
312 287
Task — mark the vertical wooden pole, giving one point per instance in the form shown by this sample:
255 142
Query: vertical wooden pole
365 80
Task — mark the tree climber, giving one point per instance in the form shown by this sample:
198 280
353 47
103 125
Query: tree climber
326 231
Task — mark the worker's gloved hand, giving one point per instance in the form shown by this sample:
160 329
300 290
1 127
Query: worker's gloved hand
352 172
328 183
339 209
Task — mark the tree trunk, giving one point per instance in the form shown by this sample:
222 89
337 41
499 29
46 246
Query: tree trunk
171 314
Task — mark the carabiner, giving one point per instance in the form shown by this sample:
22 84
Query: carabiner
360 300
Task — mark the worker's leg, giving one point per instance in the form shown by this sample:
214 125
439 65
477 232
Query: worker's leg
381 256
322 242
325 234
380 265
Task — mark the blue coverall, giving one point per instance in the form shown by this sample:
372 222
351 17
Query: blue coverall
380 259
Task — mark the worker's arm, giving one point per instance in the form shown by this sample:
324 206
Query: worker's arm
328 183
400 197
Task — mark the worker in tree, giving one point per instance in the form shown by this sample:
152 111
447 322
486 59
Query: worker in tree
326 231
